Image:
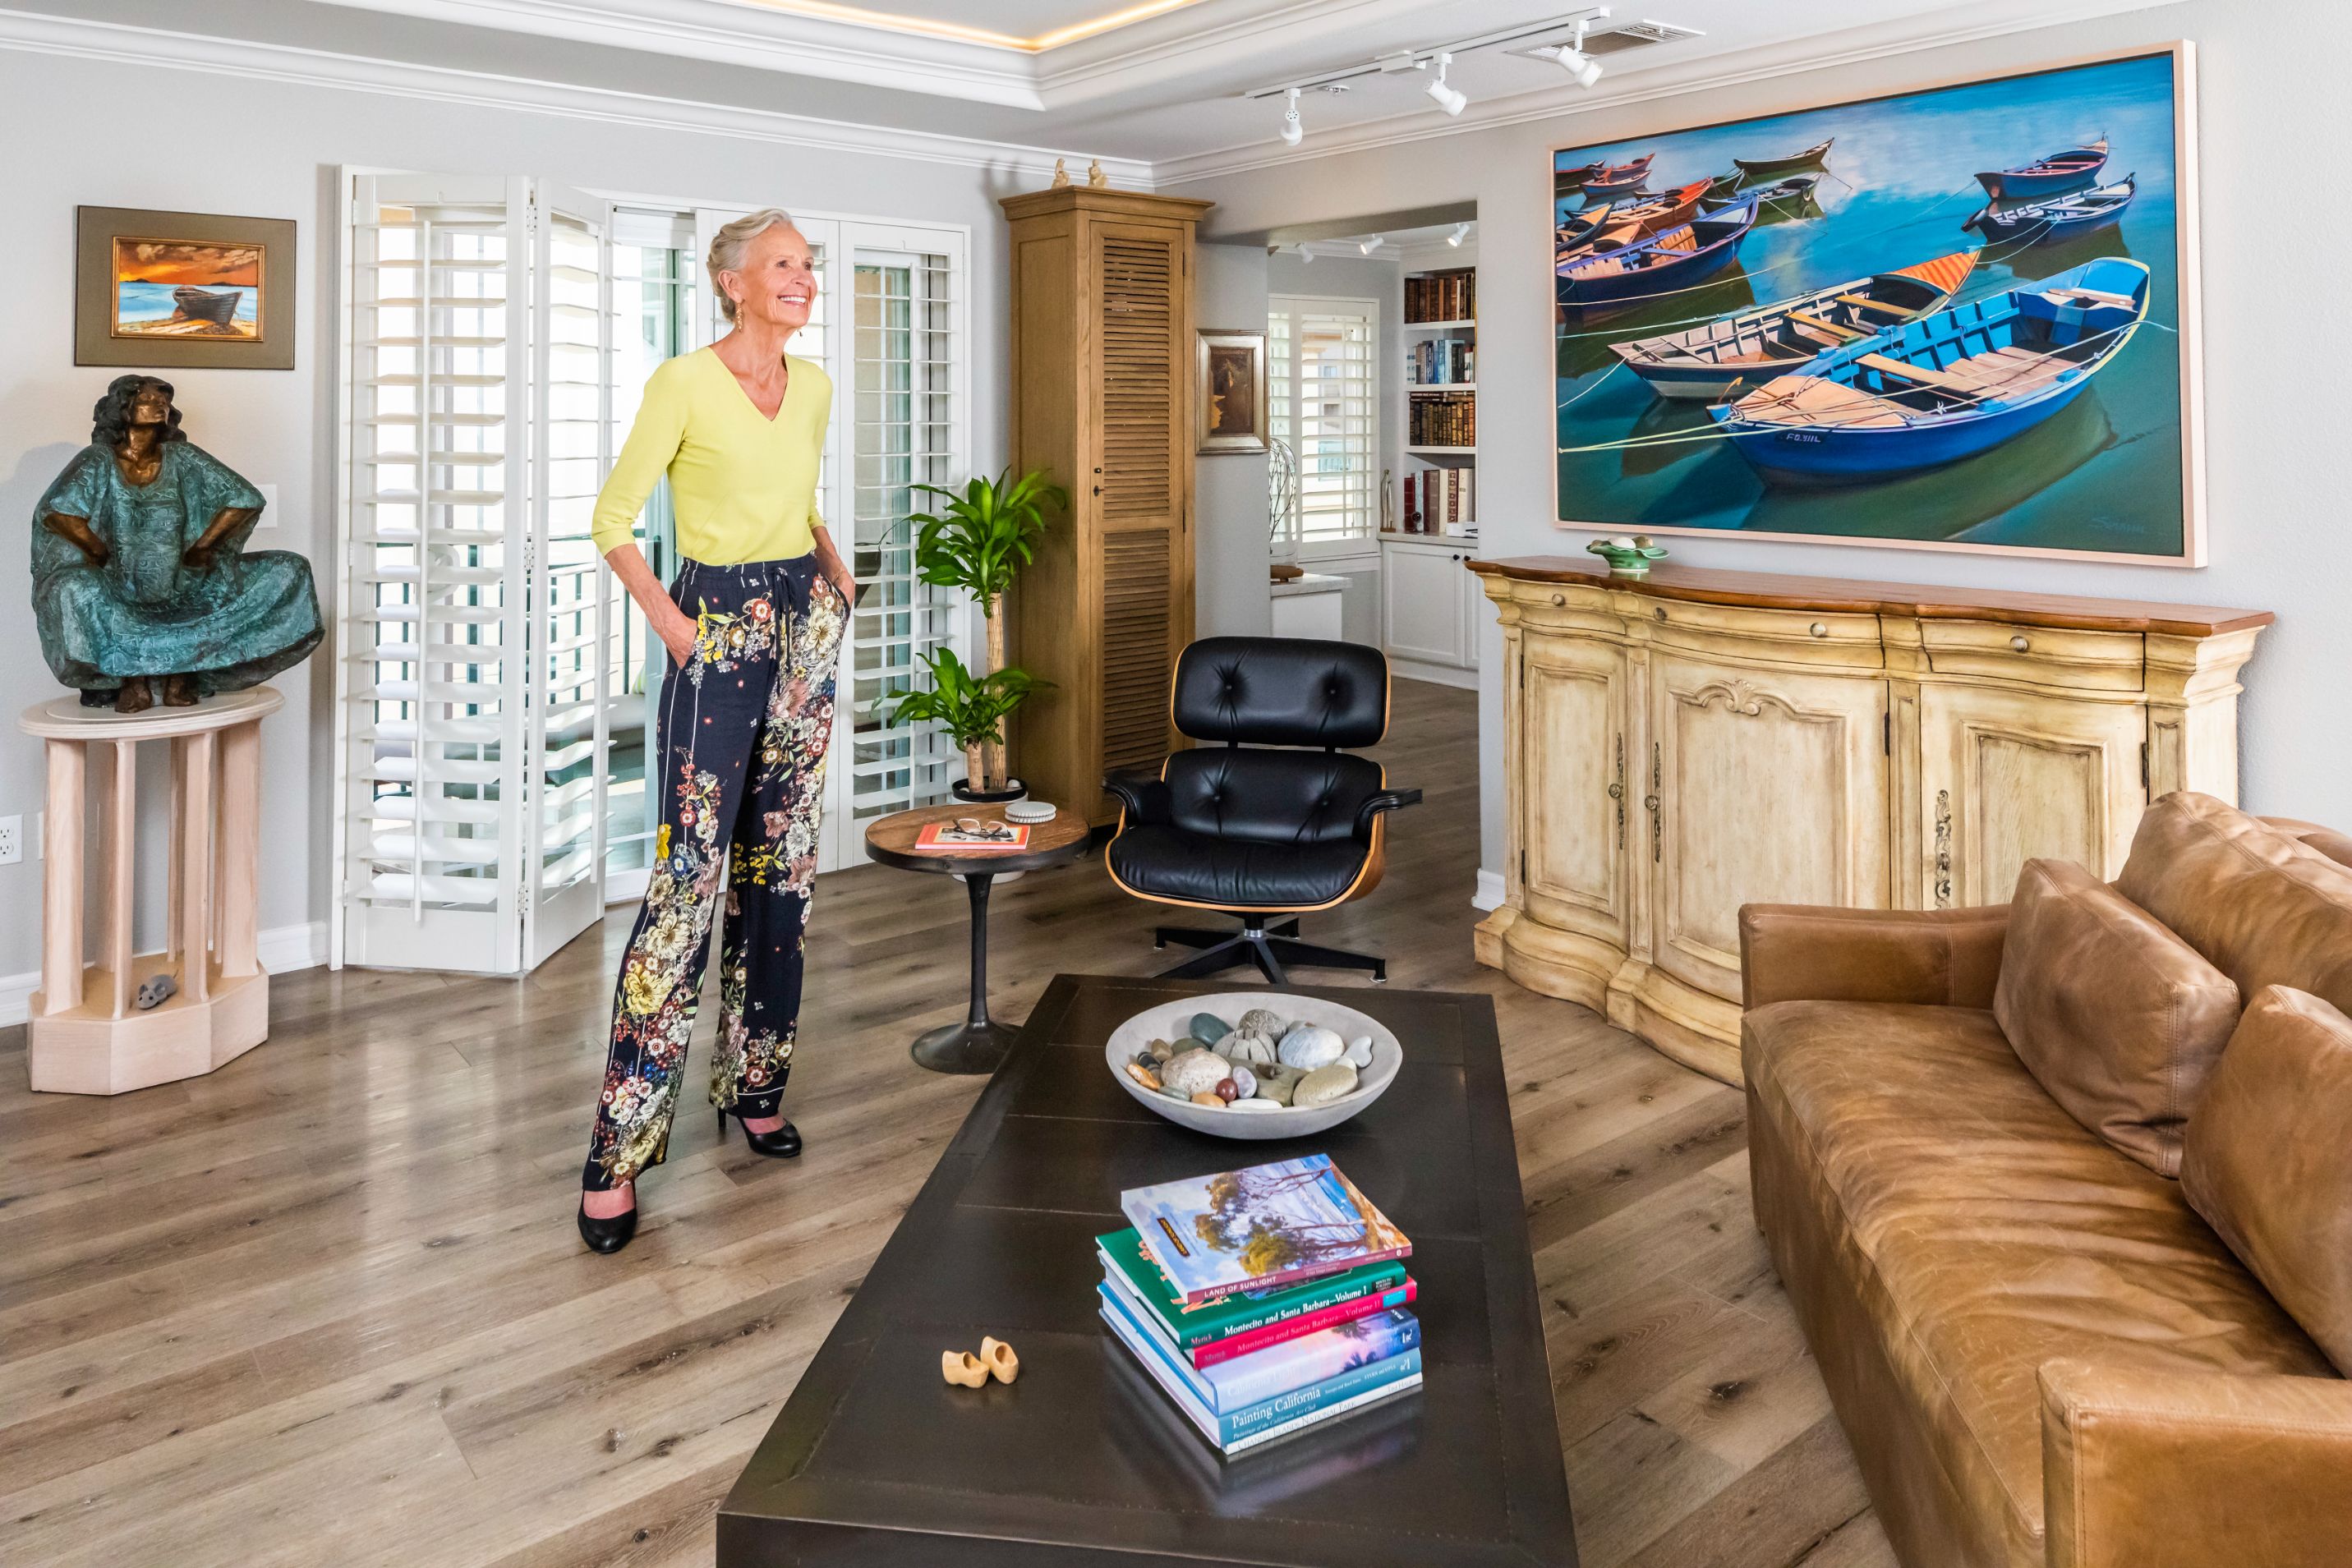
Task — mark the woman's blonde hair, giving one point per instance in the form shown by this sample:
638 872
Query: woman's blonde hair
727 246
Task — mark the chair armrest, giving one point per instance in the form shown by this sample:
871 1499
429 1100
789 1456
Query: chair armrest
1144 795
2157 1469
1386 800
1809 953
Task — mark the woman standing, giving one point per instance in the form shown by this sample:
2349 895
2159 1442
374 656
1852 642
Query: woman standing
752 623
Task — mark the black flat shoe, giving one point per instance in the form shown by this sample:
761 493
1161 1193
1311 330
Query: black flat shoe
607 1235
780 1144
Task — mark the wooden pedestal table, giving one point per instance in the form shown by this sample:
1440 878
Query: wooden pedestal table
979 1042
85 1035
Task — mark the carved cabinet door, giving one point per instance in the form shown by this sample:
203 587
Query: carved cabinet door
1578 794
1762 787
2009 775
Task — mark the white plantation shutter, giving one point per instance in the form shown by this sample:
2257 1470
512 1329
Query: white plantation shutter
469 690
905 372
1323 400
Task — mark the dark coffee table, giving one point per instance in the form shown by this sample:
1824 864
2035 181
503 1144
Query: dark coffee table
875 1461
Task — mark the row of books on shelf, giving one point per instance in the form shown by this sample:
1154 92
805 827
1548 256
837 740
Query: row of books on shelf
1442 500
1448 419
1441 361
1262 1301
1441 296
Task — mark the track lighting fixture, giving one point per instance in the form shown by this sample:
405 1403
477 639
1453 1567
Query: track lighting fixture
1582 67
1372 244
1446 98
1293 132
1460 231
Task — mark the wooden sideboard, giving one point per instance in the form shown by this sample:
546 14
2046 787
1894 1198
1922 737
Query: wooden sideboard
1677 745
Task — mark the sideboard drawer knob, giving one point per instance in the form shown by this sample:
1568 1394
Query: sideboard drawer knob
1659 610
1560 599
2019 644
1819 629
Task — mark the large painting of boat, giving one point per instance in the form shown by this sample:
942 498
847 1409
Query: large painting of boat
1943 319
179 289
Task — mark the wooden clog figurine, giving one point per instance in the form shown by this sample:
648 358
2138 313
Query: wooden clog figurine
999 1358
962 1367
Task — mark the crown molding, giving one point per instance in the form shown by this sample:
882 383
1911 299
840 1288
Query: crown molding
114 43
1987 19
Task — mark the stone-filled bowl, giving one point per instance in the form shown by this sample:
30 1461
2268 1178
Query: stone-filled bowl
1173 1021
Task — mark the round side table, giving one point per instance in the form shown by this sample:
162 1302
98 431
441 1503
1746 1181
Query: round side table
978 1044
85 1037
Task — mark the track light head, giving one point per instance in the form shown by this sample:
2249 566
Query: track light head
1460 231
1372 244
1293 132
1582 67
1446 98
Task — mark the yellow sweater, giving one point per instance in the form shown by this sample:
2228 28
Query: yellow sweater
744 487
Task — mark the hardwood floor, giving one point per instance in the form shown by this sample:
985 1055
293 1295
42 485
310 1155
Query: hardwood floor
326 1306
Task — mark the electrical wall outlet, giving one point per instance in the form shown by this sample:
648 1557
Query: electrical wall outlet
12 840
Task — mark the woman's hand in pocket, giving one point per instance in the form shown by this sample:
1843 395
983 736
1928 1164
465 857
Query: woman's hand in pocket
843 583
679 633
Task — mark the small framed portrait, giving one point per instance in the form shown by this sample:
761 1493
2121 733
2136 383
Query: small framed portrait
1230 371
182 289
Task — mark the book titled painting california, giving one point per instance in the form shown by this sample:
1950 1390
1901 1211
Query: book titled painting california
1267 1226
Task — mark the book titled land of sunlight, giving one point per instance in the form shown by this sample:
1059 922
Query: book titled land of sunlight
1255 1230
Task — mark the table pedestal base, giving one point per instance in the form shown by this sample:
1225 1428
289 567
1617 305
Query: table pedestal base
83 1051
965 1047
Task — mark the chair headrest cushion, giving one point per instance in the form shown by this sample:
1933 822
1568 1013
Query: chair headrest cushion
1282 691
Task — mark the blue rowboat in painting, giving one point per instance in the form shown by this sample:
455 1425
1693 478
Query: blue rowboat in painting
1706 361
1945 387
2047 176
1620 180
1666 263
2061 219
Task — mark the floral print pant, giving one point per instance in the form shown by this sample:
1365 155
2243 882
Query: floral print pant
740 773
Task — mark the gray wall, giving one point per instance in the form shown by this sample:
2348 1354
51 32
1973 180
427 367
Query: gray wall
1230 552
2276 521
276 427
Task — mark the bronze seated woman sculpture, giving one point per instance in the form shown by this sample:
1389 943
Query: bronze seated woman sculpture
139 578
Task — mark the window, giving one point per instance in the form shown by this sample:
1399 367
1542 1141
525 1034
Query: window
1323 406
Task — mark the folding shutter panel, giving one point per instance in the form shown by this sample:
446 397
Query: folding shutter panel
571 315
429 715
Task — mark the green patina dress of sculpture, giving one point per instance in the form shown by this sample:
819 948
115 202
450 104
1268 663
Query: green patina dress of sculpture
145 611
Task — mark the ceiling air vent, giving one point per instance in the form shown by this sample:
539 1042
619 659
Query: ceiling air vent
1615 41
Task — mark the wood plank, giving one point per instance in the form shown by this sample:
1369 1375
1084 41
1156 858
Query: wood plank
271 1315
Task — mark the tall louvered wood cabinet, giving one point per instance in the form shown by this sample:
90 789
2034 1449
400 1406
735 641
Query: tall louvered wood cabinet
1102 356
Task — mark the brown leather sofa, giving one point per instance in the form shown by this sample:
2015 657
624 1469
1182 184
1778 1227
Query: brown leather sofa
2041 1352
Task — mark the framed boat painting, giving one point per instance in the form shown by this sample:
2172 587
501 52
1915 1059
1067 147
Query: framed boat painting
1960 318
182 289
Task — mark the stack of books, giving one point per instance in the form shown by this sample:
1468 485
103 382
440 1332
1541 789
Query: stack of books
1262 1301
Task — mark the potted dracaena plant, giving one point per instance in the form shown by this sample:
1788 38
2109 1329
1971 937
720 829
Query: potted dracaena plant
971 708
978 538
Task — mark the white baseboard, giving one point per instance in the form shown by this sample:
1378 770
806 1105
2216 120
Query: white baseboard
282 950
1435 674
1489 895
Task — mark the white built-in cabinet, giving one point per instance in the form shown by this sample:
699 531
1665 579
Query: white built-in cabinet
1431 609
1677 748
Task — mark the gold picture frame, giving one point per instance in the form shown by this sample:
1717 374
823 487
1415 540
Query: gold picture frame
1229 391
182 290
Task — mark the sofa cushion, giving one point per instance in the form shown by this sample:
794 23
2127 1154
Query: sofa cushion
2335 846
2117 1018
2266 909
2269 1159
1987 1232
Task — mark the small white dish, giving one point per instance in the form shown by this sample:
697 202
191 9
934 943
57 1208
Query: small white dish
1029 811
1173 1021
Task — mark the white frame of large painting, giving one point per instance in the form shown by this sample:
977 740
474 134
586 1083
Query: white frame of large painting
2185 253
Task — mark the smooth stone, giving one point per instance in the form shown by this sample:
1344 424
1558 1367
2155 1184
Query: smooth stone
1217 1101
1323 1085
1195 1072
1175 1094
1245 1045
1143 1075
1360 1051
1161 1051
1310 1046
1257 1020
1209 1028
1275 1083
1252 1106
1244 1083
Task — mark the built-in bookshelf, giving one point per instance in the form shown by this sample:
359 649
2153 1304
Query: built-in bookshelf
1440 483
